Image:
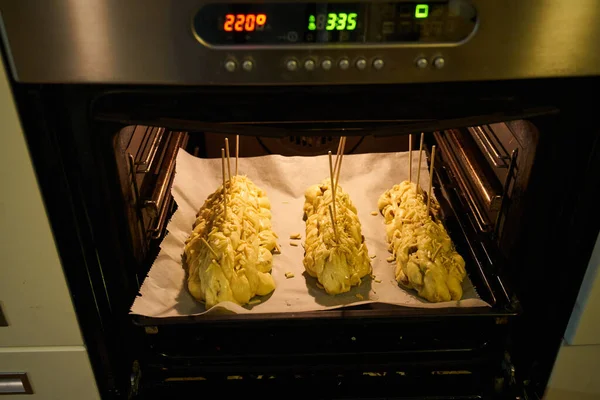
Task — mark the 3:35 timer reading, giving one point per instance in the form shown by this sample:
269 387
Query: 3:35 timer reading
332 21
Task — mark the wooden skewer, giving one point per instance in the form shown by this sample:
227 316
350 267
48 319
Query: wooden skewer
337 155
420 155
339 167
332 184
430 178
237 152
210 248
410 158
228 159
333 224
224 181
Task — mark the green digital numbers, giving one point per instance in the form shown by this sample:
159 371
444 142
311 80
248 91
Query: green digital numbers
351 21
341 21
332 21
422 11
311 23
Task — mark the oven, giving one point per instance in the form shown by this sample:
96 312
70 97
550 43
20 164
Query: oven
110 92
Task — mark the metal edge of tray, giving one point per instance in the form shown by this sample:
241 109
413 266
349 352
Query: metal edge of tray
347 313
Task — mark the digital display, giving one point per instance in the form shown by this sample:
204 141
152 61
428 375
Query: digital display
244 22
322 23
332 21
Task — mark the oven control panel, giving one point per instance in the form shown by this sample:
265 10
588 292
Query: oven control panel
318 42
327 24
298 42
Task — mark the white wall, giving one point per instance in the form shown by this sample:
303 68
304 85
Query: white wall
576 374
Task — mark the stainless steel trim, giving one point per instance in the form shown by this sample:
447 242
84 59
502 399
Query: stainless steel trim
156 139
480 218
159 201
484 181
118 42
491 151
14 383
168 167
506 186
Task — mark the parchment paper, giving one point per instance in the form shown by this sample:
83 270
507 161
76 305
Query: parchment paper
364 177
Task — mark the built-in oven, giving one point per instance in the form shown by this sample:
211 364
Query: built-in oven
110 93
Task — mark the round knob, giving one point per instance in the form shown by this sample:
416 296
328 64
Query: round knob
344 64
247 65
378 63
439 62
361 64
292 65
422 62
326 65
309 65
230 65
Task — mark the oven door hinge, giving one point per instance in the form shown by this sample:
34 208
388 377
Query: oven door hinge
134 380
508 384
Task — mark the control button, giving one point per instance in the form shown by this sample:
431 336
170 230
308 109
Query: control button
378 63
439 62
248 65
326 65
230 65
361 64
344 64
309 65
422 62
292 65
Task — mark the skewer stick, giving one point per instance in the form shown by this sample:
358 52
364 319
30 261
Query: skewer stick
237 152
430 178
332 184
210 248
410 158
224 187
339 167
333 224
228 159
420 155
340 149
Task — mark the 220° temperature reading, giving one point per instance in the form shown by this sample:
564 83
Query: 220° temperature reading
244 22
332 21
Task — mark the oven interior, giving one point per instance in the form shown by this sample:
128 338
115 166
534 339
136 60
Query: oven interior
480 178
480 181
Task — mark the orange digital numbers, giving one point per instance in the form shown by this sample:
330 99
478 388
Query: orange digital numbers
244 22
239 23
261 20
250 22
229 18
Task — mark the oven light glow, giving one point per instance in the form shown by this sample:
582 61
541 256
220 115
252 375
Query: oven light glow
422 11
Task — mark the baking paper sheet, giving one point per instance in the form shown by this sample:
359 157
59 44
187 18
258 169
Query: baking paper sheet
364 177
